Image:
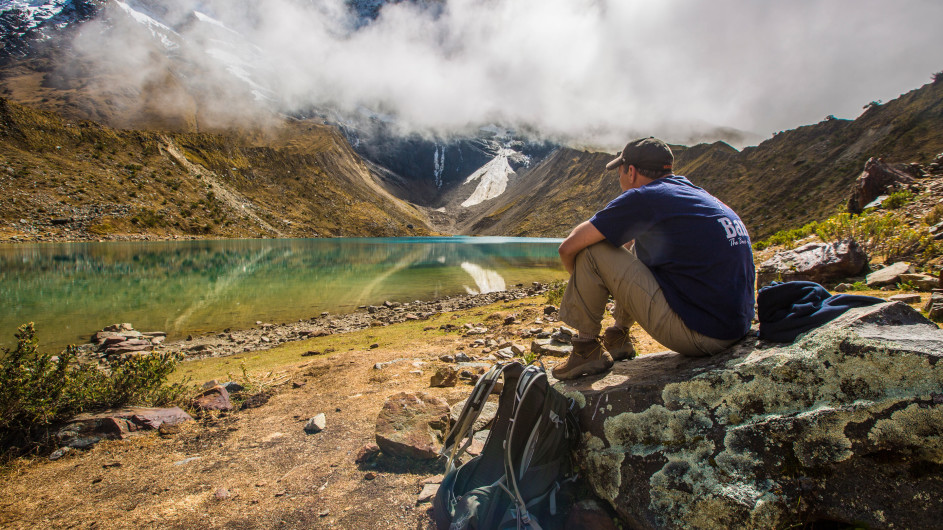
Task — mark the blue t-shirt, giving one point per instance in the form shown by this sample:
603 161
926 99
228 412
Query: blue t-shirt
697 248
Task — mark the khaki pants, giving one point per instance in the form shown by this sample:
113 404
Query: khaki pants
603 269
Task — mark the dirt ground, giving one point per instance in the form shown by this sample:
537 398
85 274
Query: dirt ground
257 468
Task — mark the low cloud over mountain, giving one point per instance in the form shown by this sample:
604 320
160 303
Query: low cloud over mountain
588 71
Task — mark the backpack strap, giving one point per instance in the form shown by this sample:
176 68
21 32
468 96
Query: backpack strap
531 376
464 426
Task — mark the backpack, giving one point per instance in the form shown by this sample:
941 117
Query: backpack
525 460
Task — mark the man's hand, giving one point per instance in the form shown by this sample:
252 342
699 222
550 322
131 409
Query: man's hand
584 235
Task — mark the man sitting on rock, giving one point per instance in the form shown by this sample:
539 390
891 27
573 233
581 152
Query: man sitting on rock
688 280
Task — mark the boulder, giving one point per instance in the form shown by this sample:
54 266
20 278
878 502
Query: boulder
876 179
412 425
85 430
775 437
889 275
814 262
215 398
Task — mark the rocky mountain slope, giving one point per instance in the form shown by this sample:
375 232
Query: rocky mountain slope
795 177
63 179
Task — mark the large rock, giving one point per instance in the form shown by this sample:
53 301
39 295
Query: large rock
86 430
889 275
934 306
412 425
215 398
877 179
843 427
814 262
922 282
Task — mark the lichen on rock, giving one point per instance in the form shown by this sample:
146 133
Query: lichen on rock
765 437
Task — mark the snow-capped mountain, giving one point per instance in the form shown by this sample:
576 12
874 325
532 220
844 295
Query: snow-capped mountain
23 22
201 67
431 169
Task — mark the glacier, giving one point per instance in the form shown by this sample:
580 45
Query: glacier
493 178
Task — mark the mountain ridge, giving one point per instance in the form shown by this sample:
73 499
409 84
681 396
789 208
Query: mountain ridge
797 176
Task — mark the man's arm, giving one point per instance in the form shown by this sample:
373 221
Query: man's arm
584 235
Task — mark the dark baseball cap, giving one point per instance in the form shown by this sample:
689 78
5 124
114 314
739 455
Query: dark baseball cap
645 153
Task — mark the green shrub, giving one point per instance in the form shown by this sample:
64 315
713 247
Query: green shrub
859 286
38 391
935 215
897 199
786 237
554 292
881 235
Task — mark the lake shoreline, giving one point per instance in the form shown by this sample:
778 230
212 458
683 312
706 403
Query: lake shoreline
265 335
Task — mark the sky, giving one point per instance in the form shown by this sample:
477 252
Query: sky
588 71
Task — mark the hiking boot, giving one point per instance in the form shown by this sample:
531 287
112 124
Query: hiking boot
588 358
618 343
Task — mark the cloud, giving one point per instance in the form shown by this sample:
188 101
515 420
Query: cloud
593 71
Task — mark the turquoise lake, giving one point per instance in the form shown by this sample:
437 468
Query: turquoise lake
71 290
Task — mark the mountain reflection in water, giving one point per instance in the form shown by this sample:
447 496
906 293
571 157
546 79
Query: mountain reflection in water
71 290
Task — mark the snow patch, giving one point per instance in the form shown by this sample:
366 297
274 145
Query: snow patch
160 31
493 179
203 17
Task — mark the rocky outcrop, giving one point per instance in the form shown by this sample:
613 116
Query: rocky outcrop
124 340
814 262
877 179
775 436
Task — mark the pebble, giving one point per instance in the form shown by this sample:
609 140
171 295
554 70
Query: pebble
316 424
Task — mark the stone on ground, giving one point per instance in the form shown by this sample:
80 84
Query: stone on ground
412 425
889 275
